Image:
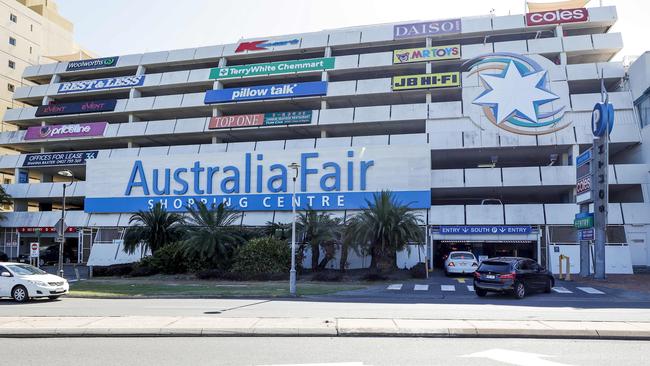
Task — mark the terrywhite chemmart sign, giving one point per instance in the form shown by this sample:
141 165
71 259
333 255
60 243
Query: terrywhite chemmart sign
329 179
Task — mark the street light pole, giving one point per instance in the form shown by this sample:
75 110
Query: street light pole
65 173
292 272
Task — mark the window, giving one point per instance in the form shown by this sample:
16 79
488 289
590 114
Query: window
30 50
12 41
7 180
13 18
12 64
11 87
31 27
643 107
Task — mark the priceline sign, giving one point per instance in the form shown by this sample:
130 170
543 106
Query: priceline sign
329 179
557 16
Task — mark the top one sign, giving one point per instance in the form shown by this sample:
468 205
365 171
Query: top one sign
94 63
557 16
424 29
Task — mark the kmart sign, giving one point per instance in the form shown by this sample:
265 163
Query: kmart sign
271 68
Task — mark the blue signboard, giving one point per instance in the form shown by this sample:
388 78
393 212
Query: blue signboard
256 202
583 158
59 158
101 84
276 91
474 230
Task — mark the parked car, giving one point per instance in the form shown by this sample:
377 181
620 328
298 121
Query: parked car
460 263
515 275
21 282
4 257
50 255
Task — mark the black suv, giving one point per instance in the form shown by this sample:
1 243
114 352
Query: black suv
512 274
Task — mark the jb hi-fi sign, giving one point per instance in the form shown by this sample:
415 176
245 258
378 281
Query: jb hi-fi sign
557 16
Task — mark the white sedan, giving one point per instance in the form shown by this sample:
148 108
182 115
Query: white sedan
21 282
460 262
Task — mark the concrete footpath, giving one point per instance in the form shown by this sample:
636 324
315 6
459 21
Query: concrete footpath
169 326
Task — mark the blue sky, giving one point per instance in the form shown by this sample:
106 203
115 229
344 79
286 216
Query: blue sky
118 27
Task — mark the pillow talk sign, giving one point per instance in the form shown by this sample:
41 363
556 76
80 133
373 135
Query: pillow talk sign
276 91
330 179
425 29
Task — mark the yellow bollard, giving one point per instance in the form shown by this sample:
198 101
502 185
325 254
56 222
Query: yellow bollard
560 276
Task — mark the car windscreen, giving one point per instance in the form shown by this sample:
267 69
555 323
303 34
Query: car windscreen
25 269
462 256
499 267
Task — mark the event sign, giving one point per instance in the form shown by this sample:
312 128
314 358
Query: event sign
312 88
272 68
475 230
94 63
426 81
329 179
557 16
261 119
425 29
65 131
74 108
59 158
101 84
436 53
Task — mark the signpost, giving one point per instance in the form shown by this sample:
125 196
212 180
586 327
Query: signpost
584 196
34 252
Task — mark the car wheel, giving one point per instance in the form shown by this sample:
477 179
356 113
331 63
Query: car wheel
549 286
520 290
19 294
53 297
480 292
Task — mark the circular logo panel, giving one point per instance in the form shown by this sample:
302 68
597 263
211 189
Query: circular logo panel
516 94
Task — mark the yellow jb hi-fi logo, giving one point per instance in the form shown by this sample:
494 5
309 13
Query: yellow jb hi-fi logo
426 81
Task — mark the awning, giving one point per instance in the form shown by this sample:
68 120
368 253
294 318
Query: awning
555 5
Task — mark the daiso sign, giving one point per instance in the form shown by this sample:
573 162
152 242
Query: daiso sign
557 16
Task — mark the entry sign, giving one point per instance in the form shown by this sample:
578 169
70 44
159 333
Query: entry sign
34 250
584 220
474 230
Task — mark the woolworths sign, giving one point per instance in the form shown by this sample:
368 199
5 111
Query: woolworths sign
270 68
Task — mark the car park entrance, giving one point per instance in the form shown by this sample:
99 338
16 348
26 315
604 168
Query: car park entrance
484 242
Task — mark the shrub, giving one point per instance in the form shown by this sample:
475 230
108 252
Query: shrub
418 271
169 259
327 276
142 270
374 275
217 274
262 256
114 270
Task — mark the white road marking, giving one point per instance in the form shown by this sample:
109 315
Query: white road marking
591 290
397 286
447 288
421 288
562 290
470 288
515 357
321 364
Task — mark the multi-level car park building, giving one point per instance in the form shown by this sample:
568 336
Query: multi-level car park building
475 122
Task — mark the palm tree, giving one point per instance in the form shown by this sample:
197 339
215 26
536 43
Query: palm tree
318 229
5 199
152 229
277 230
383 228
211 233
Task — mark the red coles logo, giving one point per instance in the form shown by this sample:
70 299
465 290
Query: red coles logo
557 16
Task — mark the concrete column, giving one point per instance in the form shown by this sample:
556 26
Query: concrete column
20 205
133 118
17 174
131 144
323 134
563 58
558 31
43 206
56 78
46 178
141 70
216 140
134 93
323 104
